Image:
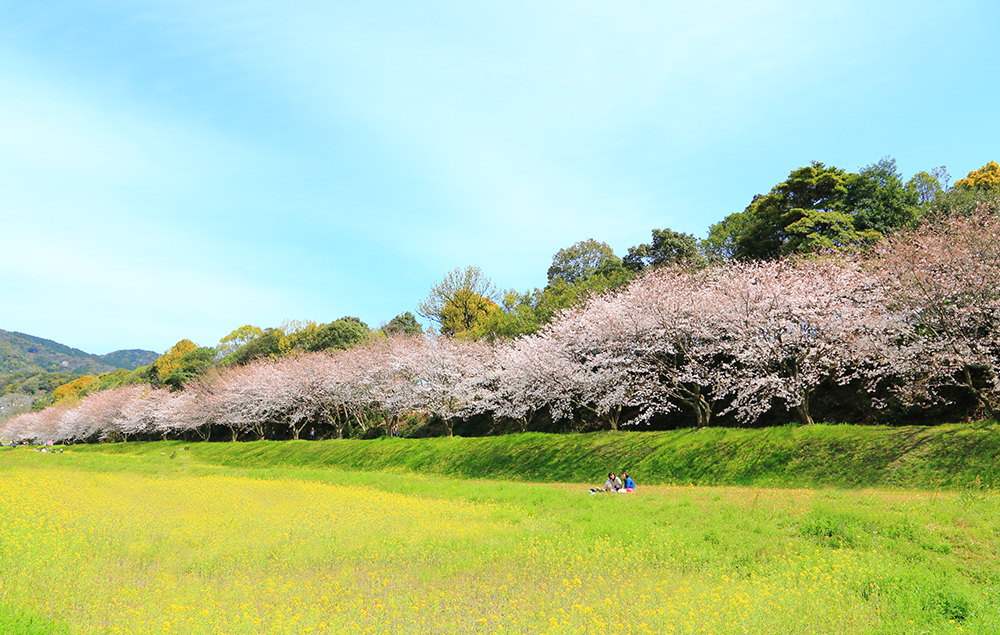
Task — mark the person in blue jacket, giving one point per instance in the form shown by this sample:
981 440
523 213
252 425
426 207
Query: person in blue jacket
628 482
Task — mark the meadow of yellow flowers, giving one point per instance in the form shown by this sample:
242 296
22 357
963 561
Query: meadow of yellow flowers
123 544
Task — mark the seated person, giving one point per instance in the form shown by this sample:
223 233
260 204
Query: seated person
627 482
613 484
610 485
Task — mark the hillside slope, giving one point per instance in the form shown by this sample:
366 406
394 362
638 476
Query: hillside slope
954 456
23 353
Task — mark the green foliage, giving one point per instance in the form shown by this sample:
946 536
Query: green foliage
667 248
962 201
518 315
141 375
813 230
811 193
928 185
339 334
238 338
404 324
821 208
113 379
582 261
271 343
192 365
878 199
949 604
171 360
129 359
33 383
721 243
525 313
585 269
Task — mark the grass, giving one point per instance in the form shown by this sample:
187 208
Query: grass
948 457
18 622
152 538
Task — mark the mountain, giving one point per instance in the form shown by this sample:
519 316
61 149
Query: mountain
131 358
21 353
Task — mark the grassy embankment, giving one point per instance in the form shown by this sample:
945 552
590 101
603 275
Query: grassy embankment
948 457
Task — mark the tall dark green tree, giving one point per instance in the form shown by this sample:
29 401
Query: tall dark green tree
820 208
879 200
802 213
339 334
404 324
667 248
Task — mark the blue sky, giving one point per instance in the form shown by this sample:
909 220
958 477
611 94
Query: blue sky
176 169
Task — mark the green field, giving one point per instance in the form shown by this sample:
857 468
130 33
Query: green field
236 538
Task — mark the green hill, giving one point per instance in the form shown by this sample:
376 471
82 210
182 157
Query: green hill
129 359
23 353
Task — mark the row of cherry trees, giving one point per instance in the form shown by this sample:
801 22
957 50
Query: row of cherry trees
912 323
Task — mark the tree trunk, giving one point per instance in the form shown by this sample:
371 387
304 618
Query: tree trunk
613 416
702 411
803 411
967 374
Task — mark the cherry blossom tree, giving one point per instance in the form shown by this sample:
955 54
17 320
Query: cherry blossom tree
790 326
107 414
944 277
180 412
652 346
570 362
363 375
138 414
245 398
42 426
664 331
297 396
397 384
524 378
444 375
743 335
